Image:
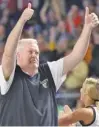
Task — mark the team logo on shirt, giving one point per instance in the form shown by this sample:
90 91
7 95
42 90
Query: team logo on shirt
44 83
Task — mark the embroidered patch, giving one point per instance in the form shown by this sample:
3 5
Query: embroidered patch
44 83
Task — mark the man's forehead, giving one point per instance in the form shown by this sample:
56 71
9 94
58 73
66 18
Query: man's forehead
31 45
29 41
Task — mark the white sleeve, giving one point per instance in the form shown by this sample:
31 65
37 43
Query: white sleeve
56 68
5 85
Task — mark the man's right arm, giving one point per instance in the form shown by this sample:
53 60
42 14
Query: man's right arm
9 56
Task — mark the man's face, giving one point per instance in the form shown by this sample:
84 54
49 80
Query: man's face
28 56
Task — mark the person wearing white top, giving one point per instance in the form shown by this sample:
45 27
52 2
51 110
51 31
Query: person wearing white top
89 114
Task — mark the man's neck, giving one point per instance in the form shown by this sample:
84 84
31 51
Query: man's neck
30 72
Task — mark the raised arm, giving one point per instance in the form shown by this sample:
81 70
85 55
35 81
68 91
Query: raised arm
85 115
9 55
43 11
70 61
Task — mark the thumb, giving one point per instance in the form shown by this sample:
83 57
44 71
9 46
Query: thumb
86 11
29 5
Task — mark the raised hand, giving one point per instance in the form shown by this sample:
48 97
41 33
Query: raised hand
67 109
27 13
91 19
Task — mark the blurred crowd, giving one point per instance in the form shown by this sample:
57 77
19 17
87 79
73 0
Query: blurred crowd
57 25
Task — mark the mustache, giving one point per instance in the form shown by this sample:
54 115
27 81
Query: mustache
32 59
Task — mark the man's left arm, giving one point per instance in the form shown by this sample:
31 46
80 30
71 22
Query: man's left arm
61 67
79 50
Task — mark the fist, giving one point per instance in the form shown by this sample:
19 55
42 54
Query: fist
27 13
91 19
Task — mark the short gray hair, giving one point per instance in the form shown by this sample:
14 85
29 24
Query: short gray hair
22 42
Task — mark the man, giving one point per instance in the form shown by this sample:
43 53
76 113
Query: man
27 89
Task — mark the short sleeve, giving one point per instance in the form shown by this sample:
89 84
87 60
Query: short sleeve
5 85
56 68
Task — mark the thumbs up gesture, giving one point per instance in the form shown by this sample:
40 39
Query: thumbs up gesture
91 20
27 13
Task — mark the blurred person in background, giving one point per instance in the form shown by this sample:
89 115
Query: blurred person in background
97 7
2 45
47 15
74 19
2 33
77 76
89 114
45 54
94 66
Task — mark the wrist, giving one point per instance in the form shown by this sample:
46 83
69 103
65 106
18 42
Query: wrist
88 27
22 21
